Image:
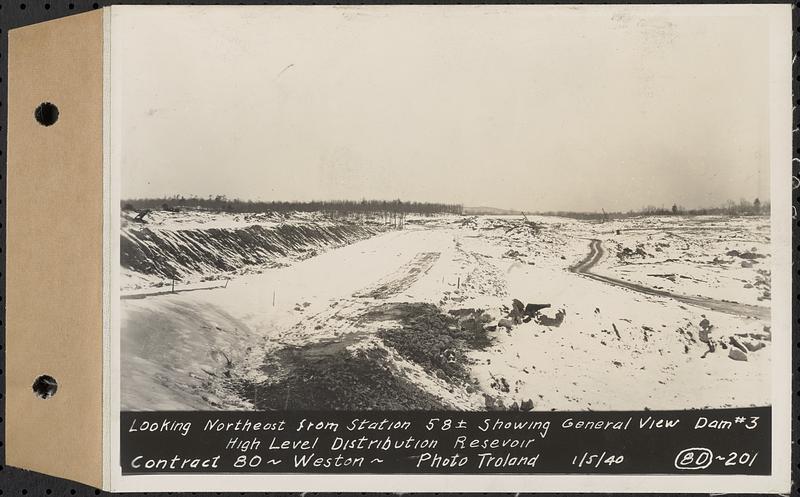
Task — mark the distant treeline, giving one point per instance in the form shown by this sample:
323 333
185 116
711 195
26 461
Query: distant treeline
220 203
743 208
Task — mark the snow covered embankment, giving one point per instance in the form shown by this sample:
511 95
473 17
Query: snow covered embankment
153 255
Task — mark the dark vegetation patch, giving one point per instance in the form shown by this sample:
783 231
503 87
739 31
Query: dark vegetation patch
438 342
327 376
221 203
743 208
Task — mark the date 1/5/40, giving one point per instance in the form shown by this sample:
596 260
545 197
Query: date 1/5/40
588 459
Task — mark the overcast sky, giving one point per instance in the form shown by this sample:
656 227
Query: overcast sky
523 107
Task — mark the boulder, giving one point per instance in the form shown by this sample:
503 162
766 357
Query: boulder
555 320
532 309
505 323
737 355
752 347
527 405
733 341
518 306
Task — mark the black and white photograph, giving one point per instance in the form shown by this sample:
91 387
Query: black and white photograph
396 248
423 247
488 212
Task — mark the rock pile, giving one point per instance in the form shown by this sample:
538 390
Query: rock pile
738 348
745 255
624 253
493 404
520 313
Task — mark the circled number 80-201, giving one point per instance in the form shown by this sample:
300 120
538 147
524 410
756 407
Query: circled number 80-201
697 458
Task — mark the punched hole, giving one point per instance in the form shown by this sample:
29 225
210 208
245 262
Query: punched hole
45 386
46 114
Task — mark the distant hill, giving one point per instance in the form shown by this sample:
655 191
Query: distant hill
490 211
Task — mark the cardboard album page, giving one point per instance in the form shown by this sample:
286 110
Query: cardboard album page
408 248
54 290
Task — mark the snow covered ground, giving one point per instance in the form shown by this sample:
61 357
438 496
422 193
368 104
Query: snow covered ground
644 313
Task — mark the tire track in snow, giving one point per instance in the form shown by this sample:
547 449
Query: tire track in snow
596 253
402 279
348 312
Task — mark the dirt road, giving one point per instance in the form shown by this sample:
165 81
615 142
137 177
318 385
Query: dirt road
596 253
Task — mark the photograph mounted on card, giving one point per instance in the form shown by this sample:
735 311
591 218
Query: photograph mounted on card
443 248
